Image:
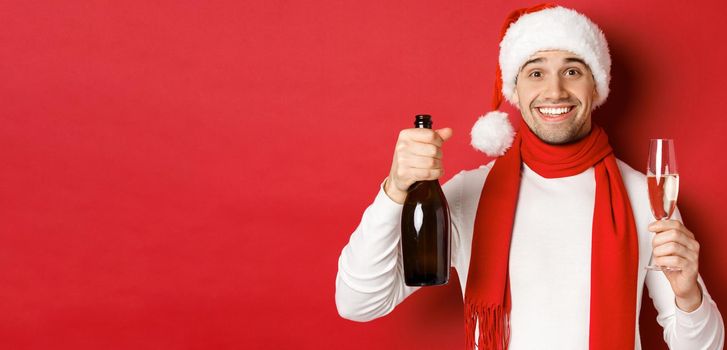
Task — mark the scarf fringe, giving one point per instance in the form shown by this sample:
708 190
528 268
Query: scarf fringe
494 327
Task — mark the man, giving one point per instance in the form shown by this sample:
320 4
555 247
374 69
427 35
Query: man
547 257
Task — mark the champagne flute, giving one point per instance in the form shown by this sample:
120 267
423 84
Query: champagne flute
663 182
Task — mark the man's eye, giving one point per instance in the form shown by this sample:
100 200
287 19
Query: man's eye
572 72
535 74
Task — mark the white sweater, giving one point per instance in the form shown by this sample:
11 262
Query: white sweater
550 262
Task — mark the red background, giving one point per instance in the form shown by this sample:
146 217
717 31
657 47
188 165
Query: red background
184 174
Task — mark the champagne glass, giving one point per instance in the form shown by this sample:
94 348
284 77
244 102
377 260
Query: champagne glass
663 182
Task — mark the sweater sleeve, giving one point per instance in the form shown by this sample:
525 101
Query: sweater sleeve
702 328
370 279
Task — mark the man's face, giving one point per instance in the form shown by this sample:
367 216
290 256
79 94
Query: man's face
555 91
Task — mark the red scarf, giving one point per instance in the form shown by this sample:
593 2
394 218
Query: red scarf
614 247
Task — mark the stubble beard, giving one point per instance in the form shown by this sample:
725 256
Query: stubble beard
561 134
557 136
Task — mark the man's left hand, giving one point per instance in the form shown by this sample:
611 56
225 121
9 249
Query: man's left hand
674 246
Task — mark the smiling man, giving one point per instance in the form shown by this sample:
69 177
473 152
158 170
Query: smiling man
558 91
550 240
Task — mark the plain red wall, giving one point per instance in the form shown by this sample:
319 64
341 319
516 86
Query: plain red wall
184 174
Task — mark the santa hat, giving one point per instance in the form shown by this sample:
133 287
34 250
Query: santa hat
525 32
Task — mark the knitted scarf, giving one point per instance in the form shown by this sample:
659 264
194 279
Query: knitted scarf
614 247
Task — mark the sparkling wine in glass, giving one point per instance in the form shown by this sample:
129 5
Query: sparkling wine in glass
662 179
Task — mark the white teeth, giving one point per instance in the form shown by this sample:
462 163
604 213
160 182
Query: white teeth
554 111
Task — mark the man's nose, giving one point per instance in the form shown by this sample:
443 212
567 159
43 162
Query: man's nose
554 89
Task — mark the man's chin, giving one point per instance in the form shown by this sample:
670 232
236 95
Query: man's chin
555 137
559 142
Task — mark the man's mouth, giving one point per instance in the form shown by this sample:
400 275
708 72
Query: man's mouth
555 114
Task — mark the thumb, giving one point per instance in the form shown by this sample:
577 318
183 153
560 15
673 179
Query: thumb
444 133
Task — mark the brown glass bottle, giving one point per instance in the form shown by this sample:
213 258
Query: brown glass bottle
425 234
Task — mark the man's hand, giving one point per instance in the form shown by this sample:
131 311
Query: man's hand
417 157
675 246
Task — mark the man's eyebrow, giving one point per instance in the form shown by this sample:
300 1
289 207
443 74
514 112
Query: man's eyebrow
534 60
567 60
575 59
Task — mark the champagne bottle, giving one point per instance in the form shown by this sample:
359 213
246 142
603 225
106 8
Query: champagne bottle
425 234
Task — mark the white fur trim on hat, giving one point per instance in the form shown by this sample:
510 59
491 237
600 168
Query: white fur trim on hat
492 134
555 28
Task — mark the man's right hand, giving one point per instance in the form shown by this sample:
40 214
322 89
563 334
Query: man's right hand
417 157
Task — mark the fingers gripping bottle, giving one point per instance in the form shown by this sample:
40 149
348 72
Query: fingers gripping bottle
425 231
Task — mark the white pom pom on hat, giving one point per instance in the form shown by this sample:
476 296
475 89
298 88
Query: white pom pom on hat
492 133
525 32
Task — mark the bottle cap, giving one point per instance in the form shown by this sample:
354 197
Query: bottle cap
423 121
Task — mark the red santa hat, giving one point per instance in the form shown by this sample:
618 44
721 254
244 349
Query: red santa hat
525 32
